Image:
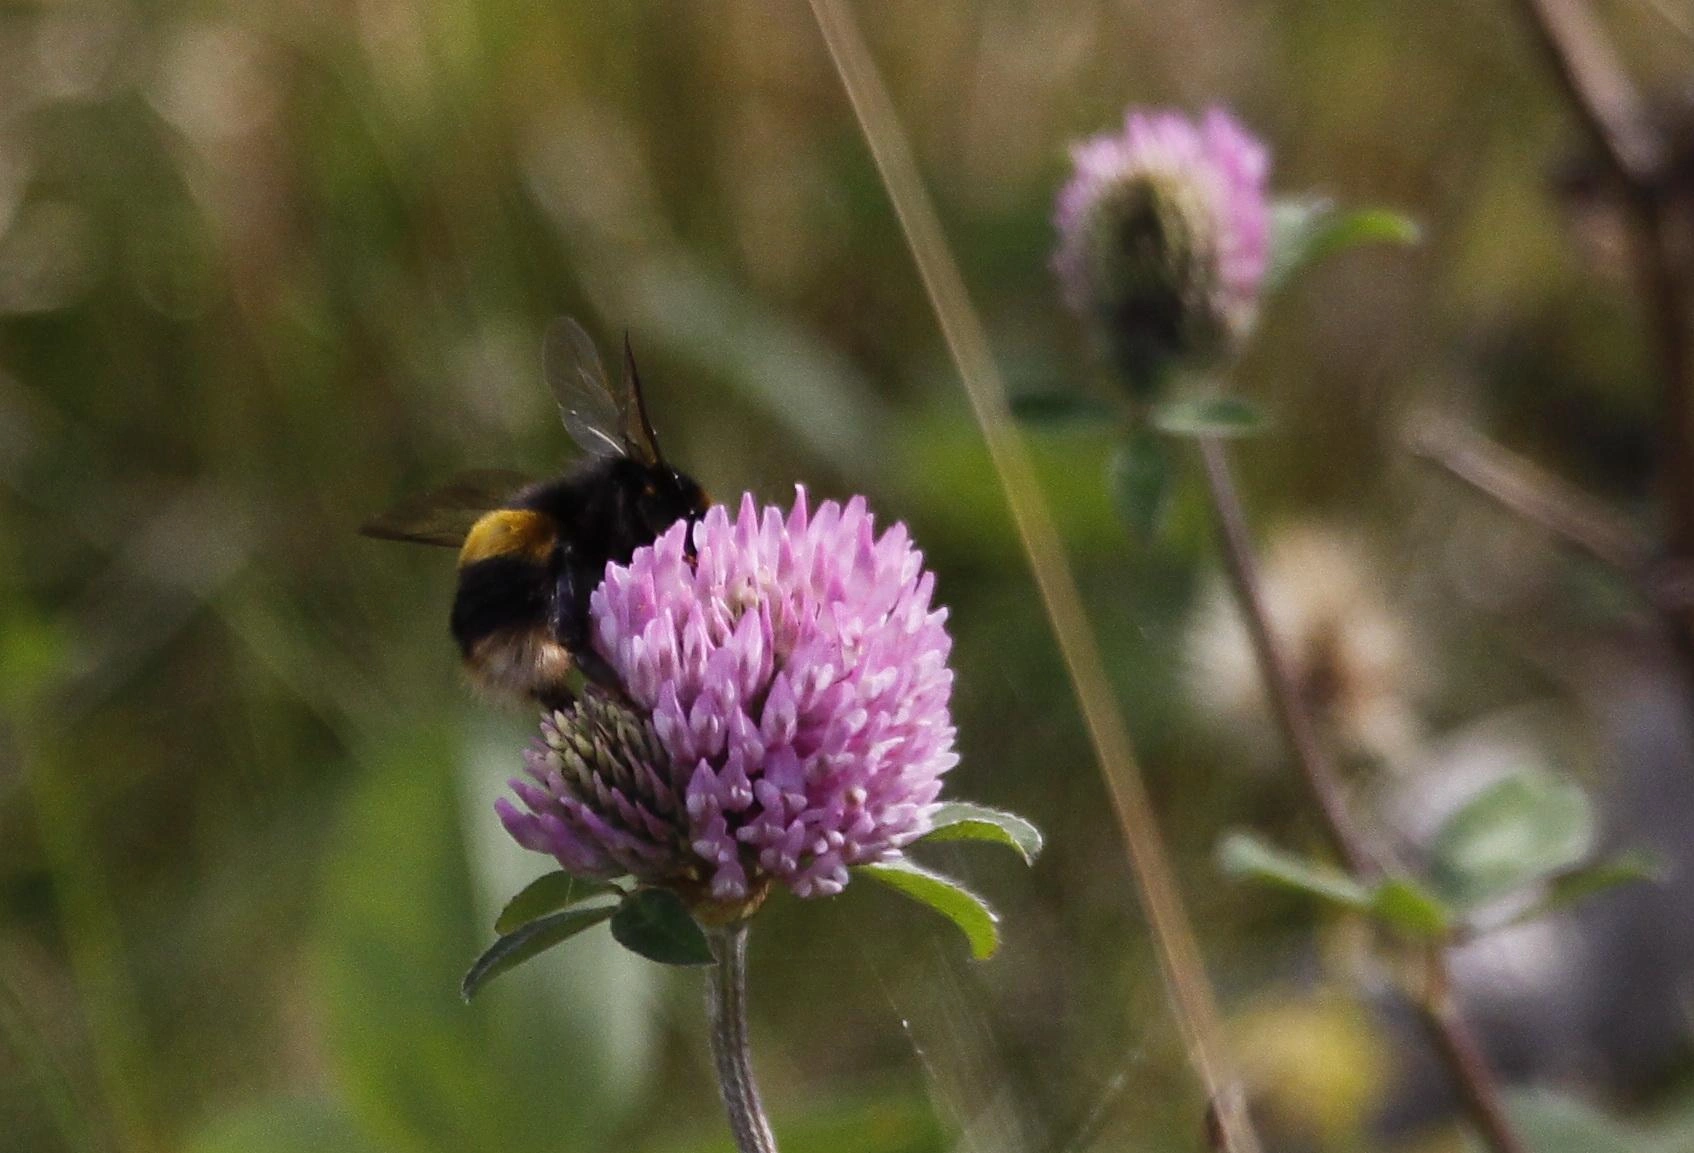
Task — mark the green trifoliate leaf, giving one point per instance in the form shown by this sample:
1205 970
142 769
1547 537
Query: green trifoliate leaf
1411 910
1244 855
1140 482
1305 230
1522 830
1062 411
531 940
946 896
962 821
548 894
1208 416
657 925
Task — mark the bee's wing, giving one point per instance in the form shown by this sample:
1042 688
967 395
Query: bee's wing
444 516
605 420
594 415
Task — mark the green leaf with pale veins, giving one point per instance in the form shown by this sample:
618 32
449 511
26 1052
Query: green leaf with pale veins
548 894
946 896
1244 855
1305 230
962 821
1208 416
657 925
531 940
1521 830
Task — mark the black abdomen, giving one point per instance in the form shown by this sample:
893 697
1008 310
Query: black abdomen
499 594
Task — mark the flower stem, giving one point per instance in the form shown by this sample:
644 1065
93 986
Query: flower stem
1452 1034
1278 672
726 1009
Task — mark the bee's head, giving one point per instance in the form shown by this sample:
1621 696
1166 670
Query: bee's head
667 497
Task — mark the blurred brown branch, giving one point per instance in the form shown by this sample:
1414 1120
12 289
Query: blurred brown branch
1598 87
1639 155
1452 1034
1531 492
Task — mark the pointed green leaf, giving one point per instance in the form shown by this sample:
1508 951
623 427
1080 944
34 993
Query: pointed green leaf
531 940
551 893
548 894
1062 411
1208 416
1576 885
1244 855
1627 869
657 925
1140 482
1408 907
1305 230
1524 829
962 821
946 896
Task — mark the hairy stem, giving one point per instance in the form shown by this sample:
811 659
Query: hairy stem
1181 965
1453 1038
726 1009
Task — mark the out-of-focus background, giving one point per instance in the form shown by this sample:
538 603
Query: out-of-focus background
266 268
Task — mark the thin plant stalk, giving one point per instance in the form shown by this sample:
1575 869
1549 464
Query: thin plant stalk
1452 1034
1189 988
732 1055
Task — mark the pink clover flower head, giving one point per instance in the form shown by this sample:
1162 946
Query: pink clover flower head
787 715
1164 235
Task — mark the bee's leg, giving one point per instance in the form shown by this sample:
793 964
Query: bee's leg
555 699
571 625
689 549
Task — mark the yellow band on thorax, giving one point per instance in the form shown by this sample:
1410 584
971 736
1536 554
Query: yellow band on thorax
518 532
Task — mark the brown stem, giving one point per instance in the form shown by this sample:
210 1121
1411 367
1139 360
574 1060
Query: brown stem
1459 1049
1665 289
1569 514
1520 487
1453 1038
1598 87
1278 672
1600 90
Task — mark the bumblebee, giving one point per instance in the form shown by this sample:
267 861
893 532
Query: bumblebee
530 553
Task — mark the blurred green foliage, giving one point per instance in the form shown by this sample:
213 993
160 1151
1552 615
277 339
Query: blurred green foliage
264 268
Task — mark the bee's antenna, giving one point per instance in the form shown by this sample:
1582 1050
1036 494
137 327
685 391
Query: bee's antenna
632 381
